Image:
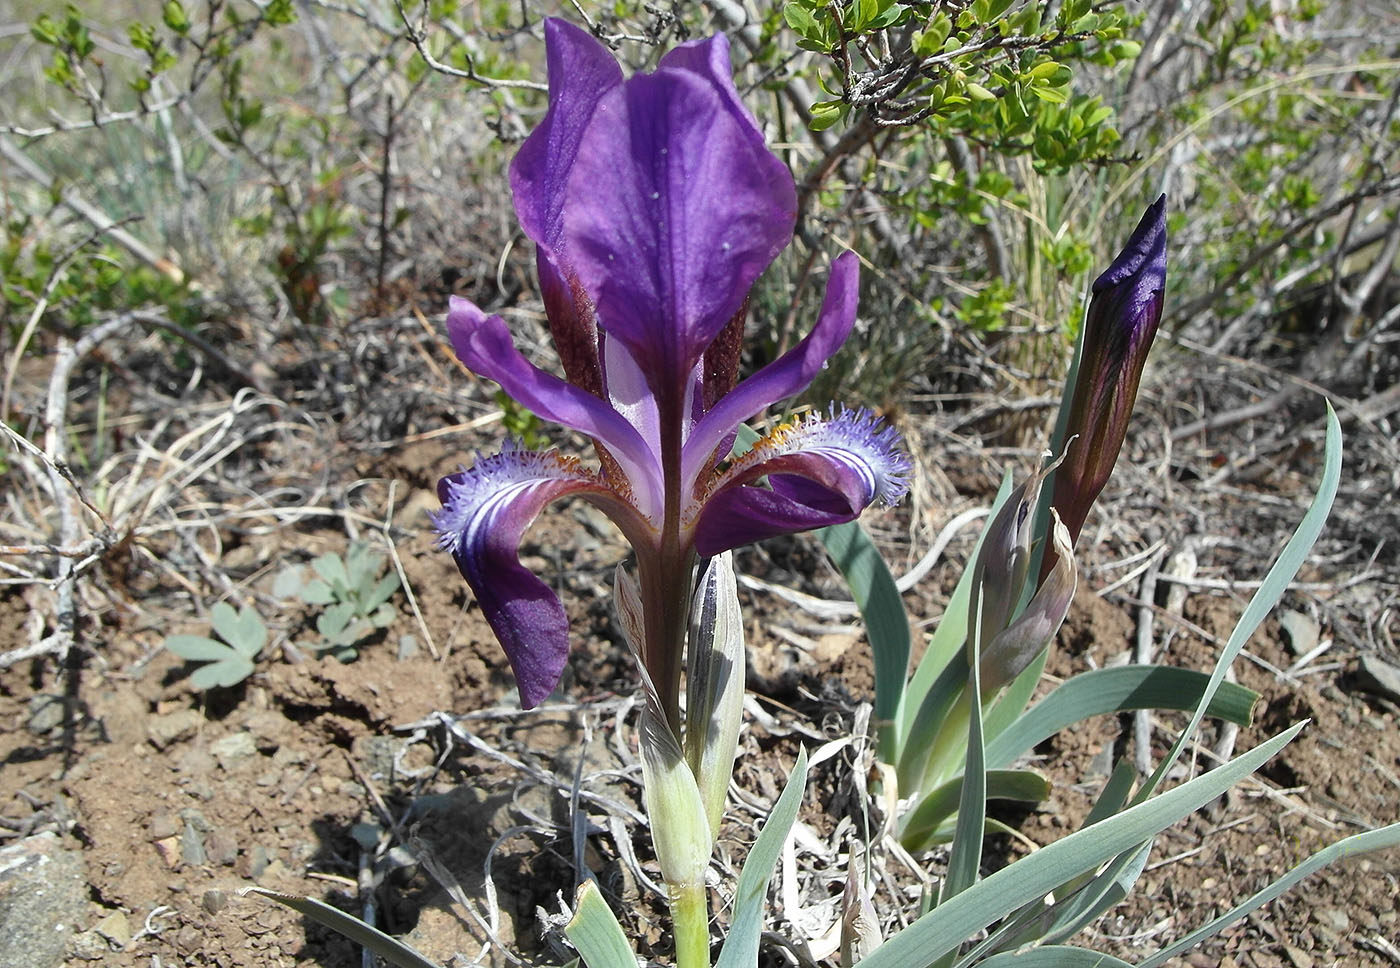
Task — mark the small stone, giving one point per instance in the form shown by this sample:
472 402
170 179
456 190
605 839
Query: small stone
171 728
257 860
164 825
265 727
1298 957
46 714
1379 678
89 946
169 850
115 928
1302 631
194 818
408 647
192 850
1334 918
195 762
233 750
222 848
213 901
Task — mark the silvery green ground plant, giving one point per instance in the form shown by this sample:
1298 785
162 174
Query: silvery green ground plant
228 660
654 205
352 589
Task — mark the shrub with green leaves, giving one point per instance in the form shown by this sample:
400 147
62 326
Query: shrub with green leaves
354 593
228 662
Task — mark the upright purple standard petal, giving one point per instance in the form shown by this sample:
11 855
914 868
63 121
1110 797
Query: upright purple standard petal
709 58
673 209
485 511
820 472
581 71
1123 315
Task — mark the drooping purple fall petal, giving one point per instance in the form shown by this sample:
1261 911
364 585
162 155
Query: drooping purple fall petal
485 511
821 471
1124 312
484 344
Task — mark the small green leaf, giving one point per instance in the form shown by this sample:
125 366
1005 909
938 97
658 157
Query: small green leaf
175 17
317 592
979 93
197 648
381 592
227 672
290 582
331 568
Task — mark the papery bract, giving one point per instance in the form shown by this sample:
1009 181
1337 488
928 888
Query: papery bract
654 205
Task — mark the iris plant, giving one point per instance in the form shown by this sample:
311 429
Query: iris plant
654 206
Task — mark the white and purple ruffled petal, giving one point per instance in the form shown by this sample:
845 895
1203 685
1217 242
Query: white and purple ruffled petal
821 471
485 511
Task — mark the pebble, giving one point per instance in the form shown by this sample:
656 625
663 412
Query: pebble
45 714
1302 631
43 894
192 850
115 928
169 850
171 728
233 750
1379 677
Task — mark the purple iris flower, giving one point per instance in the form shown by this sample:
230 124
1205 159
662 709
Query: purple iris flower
654 205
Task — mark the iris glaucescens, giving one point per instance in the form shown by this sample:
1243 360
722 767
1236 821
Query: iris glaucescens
654 205
1124 311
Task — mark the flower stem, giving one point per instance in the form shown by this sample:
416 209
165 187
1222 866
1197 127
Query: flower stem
691 919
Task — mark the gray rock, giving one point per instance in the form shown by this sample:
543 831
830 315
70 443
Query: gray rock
233 749
46 714
162 731
1379 677
43 896
1302 630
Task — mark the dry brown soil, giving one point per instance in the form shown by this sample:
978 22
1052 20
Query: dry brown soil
311 777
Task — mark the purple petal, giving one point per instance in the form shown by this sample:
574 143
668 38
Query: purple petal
581 71
709 58
484 344
821 472
485 511
789 374
673 209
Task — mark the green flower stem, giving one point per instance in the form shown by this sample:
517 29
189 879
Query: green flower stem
690 916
